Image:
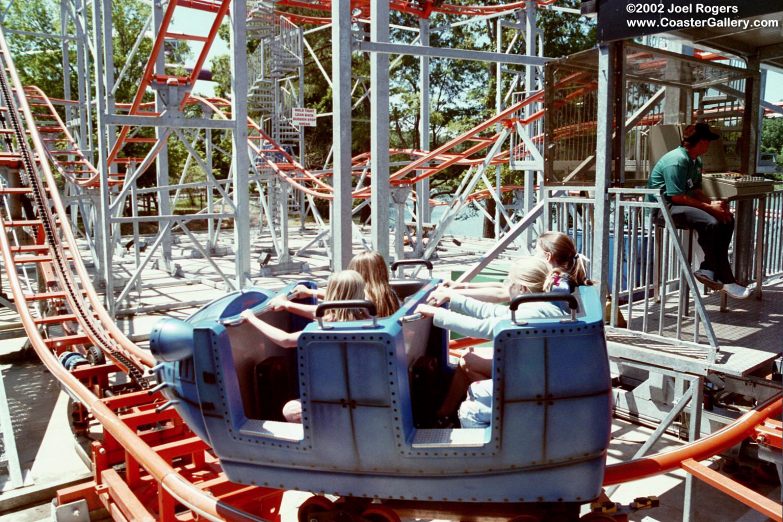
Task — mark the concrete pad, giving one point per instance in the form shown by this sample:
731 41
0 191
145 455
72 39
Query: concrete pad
40 416
33 514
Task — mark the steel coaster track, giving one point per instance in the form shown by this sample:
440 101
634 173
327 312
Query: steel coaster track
60 144
148 465
300 178
420 8
426 164
161 464
125 360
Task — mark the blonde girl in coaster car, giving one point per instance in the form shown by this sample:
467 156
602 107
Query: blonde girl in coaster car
470 317
372 267
343 286
558 250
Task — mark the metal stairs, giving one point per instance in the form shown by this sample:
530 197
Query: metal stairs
273 65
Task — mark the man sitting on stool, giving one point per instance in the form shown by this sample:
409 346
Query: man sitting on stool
679 173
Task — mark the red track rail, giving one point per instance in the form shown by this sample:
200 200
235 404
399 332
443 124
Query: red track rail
760 423
427 164
61 147
711 445
218 8
420 8
168 474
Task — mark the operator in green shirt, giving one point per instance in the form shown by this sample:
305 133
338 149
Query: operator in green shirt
678 174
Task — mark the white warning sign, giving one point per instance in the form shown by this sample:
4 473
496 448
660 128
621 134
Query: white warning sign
303 117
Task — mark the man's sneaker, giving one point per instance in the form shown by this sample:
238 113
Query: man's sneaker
737 291
707 278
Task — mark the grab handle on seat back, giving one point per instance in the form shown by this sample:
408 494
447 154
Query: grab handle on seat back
409 262
553 297
320 311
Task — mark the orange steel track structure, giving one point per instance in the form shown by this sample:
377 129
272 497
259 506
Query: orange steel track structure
292 172
760 423
420 8
60 146
168 474
465 149
64 154
148 465
217 8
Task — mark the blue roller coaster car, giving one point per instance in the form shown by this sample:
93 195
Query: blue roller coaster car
369 395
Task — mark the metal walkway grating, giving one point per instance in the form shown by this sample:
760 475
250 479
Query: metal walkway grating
750 334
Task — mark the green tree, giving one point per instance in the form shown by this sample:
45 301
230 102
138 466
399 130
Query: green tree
462 93
566 33
772 134
38 60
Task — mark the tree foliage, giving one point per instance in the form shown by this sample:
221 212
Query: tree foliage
462 92
772 135
40 60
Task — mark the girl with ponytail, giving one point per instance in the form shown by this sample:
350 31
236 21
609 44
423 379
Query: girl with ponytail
560 252
568 270
473 318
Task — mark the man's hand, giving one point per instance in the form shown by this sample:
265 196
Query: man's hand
247 314
720 209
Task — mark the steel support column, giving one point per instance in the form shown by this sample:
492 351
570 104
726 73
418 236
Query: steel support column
70 111
300 97
103 227
379 137
239 157
423 212
761 110
209 150
530 80
694 434
498 108
750 120
676 103
609 60
340 219
162 160
745 212
65 47
84 136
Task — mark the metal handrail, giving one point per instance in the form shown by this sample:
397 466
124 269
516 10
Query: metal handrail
639 231
773 234
574 216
